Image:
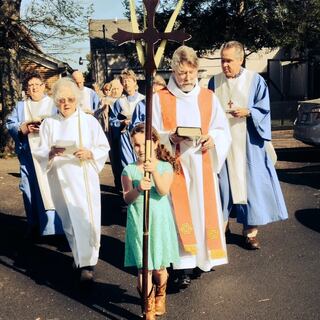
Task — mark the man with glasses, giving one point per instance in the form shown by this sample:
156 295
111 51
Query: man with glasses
201 154
23 124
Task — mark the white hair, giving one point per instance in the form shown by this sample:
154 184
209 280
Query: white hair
182 55
65 83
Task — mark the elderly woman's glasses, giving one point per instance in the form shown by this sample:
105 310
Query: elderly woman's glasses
66 100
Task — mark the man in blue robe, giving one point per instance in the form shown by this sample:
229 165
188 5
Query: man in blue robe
23 125
248 182
90 100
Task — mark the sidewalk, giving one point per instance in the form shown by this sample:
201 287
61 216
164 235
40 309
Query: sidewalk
283 139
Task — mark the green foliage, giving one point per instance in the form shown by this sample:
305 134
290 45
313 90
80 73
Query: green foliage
291 24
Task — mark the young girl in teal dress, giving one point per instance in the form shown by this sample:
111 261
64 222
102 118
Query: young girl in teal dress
163 242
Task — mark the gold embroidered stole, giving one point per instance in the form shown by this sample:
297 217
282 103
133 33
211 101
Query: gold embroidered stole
179 193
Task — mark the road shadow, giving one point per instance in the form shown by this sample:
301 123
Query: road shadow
310 218
113 208
112 252
15 174
309 154
307 175
236 239
49 263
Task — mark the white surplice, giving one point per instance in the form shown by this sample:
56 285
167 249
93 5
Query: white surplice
188 115
36 111
237 91
75 185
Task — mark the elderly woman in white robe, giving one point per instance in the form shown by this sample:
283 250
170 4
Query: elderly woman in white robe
73 151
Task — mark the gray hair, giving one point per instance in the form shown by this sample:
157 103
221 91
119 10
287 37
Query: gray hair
65 83
182 55
238 46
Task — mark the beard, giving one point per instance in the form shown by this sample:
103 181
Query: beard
187 87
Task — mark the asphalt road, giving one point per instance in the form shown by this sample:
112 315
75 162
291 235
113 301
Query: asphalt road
280 281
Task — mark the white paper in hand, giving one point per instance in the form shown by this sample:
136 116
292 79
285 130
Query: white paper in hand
69 146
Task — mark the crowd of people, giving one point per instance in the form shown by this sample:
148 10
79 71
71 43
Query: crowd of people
211 154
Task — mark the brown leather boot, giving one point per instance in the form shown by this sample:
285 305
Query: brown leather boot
160 299
150 308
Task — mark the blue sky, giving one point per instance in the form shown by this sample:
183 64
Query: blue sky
103 9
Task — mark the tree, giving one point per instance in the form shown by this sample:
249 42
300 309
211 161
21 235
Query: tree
9 66
44 21
256 23
53 23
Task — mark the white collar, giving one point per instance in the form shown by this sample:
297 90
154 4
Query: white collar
75 114
176 91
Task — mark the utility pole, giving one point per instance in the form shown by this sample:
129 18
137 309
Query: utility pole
105 53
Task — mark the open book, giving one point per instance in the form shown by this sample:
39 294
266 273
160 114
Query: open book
189 132
37 120
69 146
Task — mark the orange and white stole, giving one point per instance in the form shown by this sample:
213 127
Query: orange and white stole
179 191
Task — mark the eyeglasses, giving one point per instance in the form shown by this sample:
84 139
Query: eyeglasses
36 85
68 100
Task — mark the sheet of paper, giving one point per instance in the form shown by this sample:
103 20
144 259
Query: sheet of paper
69 146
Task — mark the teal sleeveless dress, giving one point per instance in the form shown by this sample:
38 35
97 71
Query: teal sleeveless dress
163 241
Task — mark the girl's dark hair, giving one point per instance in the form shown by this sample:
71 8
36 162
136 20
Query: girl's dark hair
162 153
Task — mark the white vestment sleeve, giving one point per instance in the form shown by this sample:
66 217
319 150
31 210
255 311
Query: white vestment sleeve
100 146
157 123
220 133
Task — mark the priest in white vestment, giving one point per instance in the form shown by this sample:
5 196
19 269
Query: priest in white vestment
73 151
195 193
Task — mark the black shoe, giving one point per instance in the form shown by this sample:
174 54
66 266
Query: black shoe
252 243
196 273
86 274
183 281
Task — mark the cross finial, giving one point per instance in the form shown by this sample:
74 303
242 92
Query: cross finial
150 35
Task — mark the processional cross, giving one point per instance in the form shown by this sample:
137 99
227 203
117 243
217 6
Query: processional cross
150 36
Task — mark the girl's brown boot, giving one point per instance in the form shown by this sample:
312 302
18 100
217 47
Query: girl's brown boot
160 298
150 308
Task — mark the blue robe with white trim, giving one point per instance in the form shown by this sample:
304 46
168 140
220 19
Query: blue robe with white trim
265 199
94 100
48 220
119 138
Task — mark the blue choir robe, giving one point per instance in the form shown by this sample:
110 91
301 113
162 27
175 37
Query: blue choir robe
122 109
47 220
139 115
89 101
264 201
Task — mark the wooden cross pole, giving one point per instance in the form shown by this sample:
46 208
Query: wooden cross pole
150 37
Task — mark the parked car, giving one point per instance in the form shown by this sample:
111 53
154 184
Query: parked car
306 126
